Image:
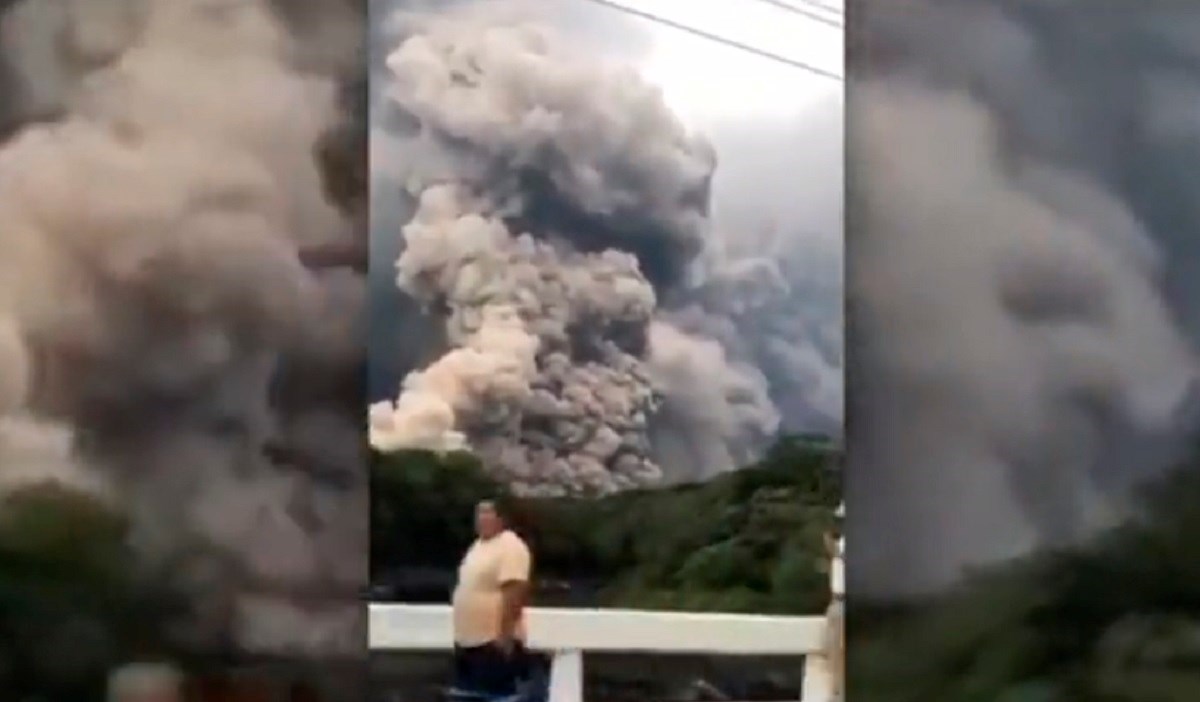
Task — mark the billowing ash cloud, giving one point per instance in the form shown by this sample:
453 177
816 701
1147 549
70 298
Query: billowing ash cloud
553 216
159 181
780 319
1023 241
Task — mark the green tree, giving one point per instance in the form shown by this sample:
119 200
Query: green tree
421 507
70 606
746 541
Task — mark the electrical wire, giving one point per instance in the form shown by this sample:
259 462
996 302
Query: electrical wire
836 11
822 19
761 53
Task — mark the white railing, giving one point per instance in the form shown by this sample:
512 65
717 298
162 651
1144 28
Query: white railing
567 634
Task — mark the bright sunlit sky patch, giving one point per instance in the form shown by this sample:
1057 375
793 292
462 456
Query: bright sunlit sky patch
705 81
777 128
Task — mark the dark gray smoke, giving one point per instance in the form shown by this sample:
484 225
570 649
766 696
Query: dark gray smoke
1023 245
162 343
555 221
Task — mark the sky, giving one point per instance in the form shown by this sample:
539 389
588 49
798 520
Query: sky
777 129
707 82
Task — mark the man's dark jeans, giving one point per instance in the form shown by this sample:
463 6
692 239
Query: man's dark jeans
490 671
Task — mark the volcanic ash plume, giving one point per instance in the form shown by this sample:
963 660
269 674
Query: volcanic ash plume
1016 285
557 201
778 320
151 285
515 303
703 423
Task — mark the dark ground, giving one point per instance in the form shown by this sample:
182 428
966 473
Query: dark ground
616 678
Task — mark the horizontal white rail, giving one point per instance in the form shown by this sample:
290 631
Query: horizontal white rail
429 628
566 633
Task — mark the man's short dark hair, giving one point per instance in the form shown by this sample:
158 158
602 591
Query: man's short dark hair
511 514
500 506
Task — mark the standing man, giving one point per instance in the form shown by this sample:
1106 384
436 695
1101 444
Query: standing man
489 608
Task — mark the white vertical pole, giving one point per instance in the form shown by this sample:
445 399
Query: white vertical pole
818 681
827 670
566 677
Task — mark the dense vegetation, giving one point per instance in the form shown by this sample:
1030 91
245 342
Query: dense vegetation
1115 621
747 541
70 607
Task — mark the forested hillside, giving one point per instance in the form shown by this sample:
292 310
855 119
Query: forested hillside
1115 621
73 602
747 541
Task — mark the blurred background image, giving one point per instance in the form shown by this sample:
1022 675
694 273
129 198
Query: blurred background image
605 283
1021 255
182 484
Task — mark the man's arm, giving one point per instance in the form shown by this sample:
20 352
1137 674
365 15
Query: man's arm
514 587
514 593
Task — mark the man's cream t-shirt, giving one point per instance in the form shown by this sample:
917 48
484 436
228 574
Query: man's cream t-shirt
478 598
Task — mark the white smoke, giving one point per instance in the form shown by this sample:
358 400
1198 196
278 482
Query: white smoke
561 187
153 214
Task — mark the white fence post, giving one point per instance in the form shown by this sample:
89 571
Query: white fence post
835 660
566 677
818 679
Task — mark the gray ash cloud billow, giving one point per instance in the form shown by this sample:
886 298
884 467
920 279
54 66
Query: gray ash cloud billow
1024 240
552 203
159 190
781 317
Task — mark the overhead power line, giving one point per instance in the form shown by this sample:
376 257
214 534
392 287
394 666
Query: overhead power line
823 19
836 11
761 53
